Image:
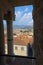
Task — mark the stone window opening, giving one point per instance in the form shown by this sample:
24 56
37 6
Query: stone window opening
19 14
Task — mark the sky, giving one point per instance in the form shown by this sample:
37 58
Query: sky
23 16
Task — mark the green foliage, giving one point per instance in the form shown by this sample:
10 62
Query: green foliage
14 34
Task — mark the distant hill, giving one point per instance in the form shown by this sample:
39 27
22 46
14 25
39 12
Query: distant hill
22 27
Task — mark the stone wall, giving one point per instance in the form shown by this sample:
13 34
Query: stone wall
38 31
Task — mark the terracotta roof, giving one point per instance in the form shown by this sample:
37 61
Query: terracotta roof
23 40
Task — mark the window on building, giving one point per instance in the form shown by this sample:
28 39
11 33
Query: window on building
22 48
16 48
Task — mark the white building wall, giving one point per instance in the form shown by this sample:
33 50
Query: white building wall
21 50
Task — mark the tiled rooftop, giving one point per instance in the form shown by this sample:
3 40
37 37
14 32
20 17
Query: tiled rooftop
23 40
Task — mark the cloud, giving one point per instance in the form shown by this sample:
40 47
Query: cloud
26 19
30 22
26 10
18 14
